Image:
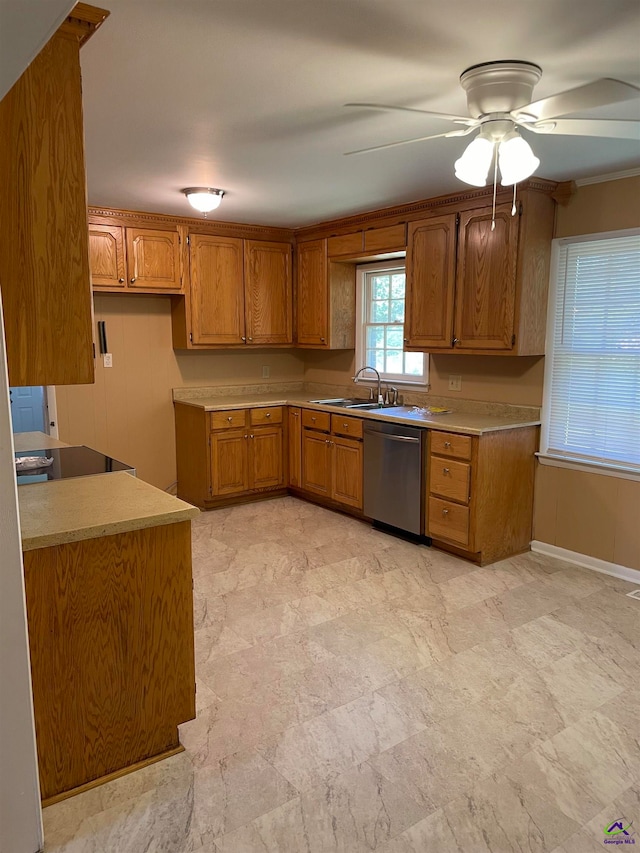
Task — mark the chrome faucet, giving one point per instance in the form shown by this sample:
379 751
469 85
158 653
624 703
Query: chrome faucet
367 367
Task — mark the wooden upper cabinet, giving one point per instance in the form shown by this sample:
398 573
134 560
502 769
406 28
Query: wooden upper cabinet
44 252
153 259
391 238
217 290
486 279
312 304
268 292
326 299
345 245
488 294
431 265
106 256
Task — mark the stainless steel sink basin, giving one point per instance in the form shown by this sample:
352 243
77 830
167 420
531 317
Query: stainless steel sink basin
348 403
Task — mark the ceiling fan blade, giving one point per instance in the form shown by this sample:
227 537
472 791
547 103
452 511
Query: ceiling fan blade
472 122
599 93
409 141
606 128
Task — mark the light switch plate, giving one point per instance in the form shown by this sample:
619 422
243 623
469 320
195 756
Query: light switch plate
108 359
266 371
455 382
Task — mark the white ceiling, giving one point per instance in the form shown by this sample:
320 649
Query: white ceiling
247 95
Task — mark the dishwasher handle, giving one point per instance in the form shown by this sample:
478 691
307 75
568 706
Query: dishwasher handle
387 437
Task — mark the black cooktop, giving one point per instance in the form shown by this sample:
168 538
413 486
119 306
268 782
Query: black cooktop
77 461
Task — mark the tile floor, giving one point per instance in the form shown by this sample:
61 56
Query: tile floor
357 692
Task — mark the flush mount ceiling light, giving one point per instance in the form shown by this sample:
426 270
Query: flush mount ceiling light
203 199
515 157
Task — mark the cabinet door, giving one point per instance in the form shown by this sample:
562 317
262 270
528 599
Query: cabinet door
217 291
312 315
316 462
268 292
265 458
229 462
486 279
431 264
106 256
44 252
346 474
295 448
153 259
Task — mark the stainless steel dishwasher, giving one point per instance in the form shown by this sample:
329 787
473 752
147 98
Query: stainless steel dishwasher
393 456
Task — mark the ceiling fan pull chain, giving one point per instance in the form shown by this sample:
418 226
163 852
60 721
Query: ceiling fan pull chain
513 208
495 181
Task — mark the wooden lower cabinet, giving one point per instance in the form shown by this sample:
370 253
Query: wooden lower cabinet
112 652
230 454
295 446
332 464
479 500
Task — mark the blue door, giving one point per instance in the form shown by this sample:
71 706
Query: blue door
27 409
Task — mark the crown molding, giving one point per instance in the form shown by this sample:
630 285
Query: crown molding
613 176
82 22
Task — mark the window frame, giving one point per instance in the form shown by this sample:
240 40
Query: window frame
601 465
401 380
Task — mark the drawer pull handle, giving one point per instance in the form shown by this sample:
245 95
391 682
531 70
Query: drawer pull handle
252 436
121 281
345 426
230 419
447 444
445 512
246 436
295 414
445 470
268 415
313 419
132 280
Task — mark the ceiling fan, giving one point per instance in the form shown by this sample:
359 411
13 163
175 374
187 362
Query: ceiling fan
499 102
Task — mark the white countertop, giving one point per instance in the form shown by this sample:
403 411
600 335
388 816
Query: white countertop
461 422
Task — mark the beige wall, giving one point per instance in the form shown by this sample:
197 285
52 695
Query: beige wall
591 513
128 413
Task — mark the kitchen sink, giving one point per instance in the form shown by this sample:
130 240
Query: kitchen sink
348 403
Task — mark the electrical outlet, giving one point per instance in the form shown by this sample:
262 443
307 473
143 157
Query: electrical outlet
266 371
455 382
108 359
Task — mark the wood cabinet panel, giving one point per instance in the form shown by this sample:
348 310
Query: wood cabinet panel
106 256
344 425
265 458
266 416
268 292
312 302
228 419
217 290
295 446
112 660
316 463
314 419
347 472
229 462
345 244
486 279
393 238
44 253
430 267
451 444
449 478
448 521
153 259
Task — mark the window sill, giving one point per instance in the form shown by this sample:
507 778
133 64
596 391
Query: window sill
396 383
607 469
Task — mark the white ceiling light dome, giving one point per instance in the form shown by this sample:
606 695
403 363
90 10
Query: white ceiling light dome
516 160
204 199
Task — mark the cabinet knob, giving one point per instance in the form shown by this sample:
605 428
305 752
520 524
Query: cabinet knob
230 419
313 418
295 414
246 436
455 341
243 338
445 512
447 444
322 340
406 340
252 436
121 280
268 415
132 280
345 426
250 339
445 470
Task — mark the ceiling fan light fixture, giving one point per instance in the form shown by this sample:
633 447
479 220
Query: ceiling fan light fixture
516 160
203 199
473 167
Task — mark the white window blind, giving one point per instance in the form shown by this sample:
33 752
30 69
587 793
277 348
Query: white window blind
593 374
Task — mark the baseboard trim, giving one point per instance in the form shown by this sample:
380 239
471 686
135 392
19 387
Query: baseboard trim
587 562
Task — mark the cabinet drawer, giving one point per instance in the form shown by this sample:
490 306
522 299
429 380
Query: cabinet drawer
228 419
345 244
390 239
449 478
451 444
448 521
316 420
271 415
341 425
